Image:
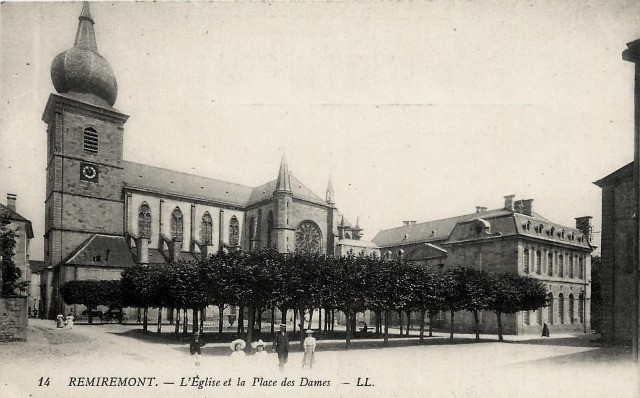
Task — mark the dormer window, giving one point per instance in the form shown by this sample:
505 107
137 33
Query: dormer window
90 140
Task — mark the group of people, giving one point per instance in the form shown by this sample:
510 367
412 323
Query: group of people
280 346
61 321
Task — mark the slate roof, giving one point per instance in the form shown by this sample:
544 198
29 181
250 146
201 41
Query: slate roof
430 231
14 216
102 251
157 257
157 179
358 243
506 222
621 173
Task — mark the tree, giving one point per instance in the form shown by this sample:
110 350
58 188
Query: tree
10 272
451 292
90 293
477 288
515 293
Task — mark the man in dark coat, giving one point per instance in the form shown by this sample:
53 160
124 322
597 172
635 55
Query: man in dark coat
545 330
281 346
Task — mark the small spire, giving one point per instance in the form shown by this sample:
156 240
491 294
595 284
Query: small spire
85 35
329 194
358 222
342 221
284 181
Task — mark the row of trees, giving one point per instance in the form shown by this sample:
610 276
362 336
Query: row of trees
266 280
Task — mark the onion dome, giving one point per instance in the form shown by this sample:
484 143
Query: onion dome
81 69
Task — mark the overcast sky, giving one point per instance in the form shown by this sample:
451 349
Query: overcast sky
418 111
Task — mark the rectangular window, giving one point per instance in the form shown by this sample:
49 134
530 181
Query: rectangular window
90 141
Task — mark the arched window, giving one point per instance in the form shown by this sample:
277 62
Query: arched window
234 232
561 265
561 308
206 229
538 262
550 309
550 264
571 314
525 262
252 228
177 224
269 228
144 221
90 140
581 308
570 266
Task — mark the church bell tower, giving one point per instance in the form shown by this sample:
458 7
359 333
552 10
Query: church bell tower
84 151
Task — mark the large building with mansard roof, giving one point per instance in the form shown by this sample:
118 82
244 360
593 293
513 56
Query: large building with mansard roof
104 214
512 239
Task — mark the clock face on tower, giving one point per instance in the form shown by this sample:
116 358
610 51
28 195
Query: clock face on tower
88 172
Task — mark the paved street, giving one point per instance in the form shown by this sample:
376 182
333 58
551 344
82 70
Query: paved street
563 366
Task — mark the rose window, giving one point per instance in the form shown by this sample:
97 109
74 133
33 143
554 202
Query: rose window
308 237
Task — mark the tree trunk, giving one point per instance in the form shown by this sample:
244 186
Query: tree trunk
90 311
451 329
499 315
177 328
319 320
387 312
310 318
203 313
422 313
301 325
295 319
378 323
170 315
283 317
221 320
144 318
354 325
408 322
159 330
273 320
476 324
430 323
400 322
333 321
260 319
240 319
185 321
348 326
250 326
195 320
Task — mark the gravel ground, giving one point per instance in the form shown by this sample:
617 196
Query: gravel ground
566 366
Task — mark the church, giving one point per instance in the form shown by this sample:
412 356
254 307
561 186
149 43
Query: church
104 214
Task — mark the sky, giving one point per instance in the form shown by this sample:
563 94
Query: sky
417 110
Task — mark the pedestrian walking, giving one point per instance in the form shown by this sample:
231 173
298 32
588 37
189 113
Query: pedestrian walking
309 349
69 320
281 346
545 330
60 320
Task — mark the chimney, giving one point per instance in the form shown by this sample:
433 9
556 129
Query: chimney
508 202
527 206
11 201
583 224
142 246
413 222
406 222
480 209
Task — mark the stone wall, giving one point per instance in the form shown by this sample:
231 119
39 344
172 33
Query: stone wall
13 318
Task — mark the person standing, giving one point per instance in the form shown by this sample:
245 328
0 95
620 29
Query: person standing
309 349
69 320
281 346
60 320
195 347
545 330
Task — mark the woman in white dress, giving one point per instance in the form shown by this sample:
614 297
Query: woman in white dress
69 320
309 349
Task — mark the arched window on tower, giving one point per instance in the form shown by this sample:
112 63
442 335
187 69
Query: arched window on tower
144 221
269 228
206 229
234 232
177 224
90 140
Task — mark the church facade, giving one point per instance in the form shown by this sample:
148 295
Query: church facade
104 213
